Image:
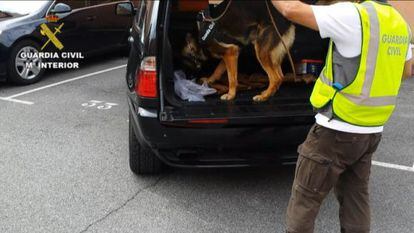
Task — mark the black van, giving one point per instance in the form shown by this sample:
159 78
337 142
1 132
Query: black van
165 130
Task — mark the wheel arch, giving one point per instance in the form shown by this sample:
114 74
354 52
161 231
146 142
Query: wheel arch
26 37
8 49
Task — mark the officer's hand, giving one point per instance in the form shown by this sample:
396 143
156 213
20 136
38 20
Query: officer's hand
298 12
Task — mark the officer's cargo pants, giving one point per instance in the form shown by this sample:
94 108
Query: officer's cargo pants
332 159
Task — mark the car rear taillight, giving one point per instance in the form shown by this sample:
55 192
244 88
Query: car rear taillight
146 80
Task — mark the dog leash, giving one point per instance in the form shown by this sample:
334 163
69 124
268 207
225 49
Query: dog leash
281 39
220 16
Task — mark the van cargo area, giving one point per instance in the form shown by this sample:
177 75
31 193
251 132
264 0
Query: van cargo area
289 105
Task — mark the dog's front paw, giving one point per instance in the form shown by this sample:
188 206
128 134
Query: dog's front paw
260 98
227 97
266 93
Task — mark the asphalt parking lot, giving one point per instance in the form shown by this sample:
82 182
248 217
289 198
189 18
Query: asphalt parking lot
64 168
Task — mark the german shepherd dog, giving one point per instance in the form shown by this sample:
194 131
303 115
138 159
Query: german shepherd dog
242 23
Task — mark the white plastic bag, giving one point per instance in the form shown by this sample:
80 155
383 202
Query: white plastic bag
189 89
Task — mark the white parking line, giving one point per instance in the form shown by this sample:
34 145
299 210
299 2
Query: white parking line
17 101
11 98
393 166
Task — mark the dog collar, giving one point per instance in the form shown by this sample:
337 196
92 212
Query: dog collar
209 28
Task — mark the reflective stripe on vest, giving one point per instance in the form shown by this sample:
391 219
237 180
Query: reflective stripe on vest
368 109
325 80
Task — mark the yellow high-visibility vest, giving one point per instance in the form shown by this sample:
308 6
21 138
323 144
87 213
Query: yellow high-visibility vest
371 98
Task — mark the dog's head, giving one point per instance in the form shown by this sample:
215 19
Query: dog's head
192 54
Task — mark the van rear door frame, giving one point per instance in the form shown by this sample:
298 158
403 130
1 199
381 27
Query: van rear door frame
164 14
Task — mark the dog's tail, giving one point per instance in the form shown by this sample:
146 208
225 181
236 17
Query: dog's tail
269 10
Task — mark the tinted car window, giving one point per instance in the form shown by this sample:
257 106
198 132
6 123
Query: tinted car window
136 3
74 4
98 2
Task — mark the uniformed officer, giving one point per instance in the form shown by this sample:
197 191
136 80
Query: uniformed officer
354 96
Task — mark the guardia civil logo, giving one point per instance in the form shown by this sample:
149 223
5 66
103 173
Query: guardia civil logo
52 36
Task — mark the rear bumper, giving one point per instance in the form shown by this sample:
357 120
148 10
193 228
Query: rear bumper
220 147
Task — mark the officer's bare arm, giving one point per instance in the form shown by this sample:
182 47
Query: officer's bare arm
297 12
408 72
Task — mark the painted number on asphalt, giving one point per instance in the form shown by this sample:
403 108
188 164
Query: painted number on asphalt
101 105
